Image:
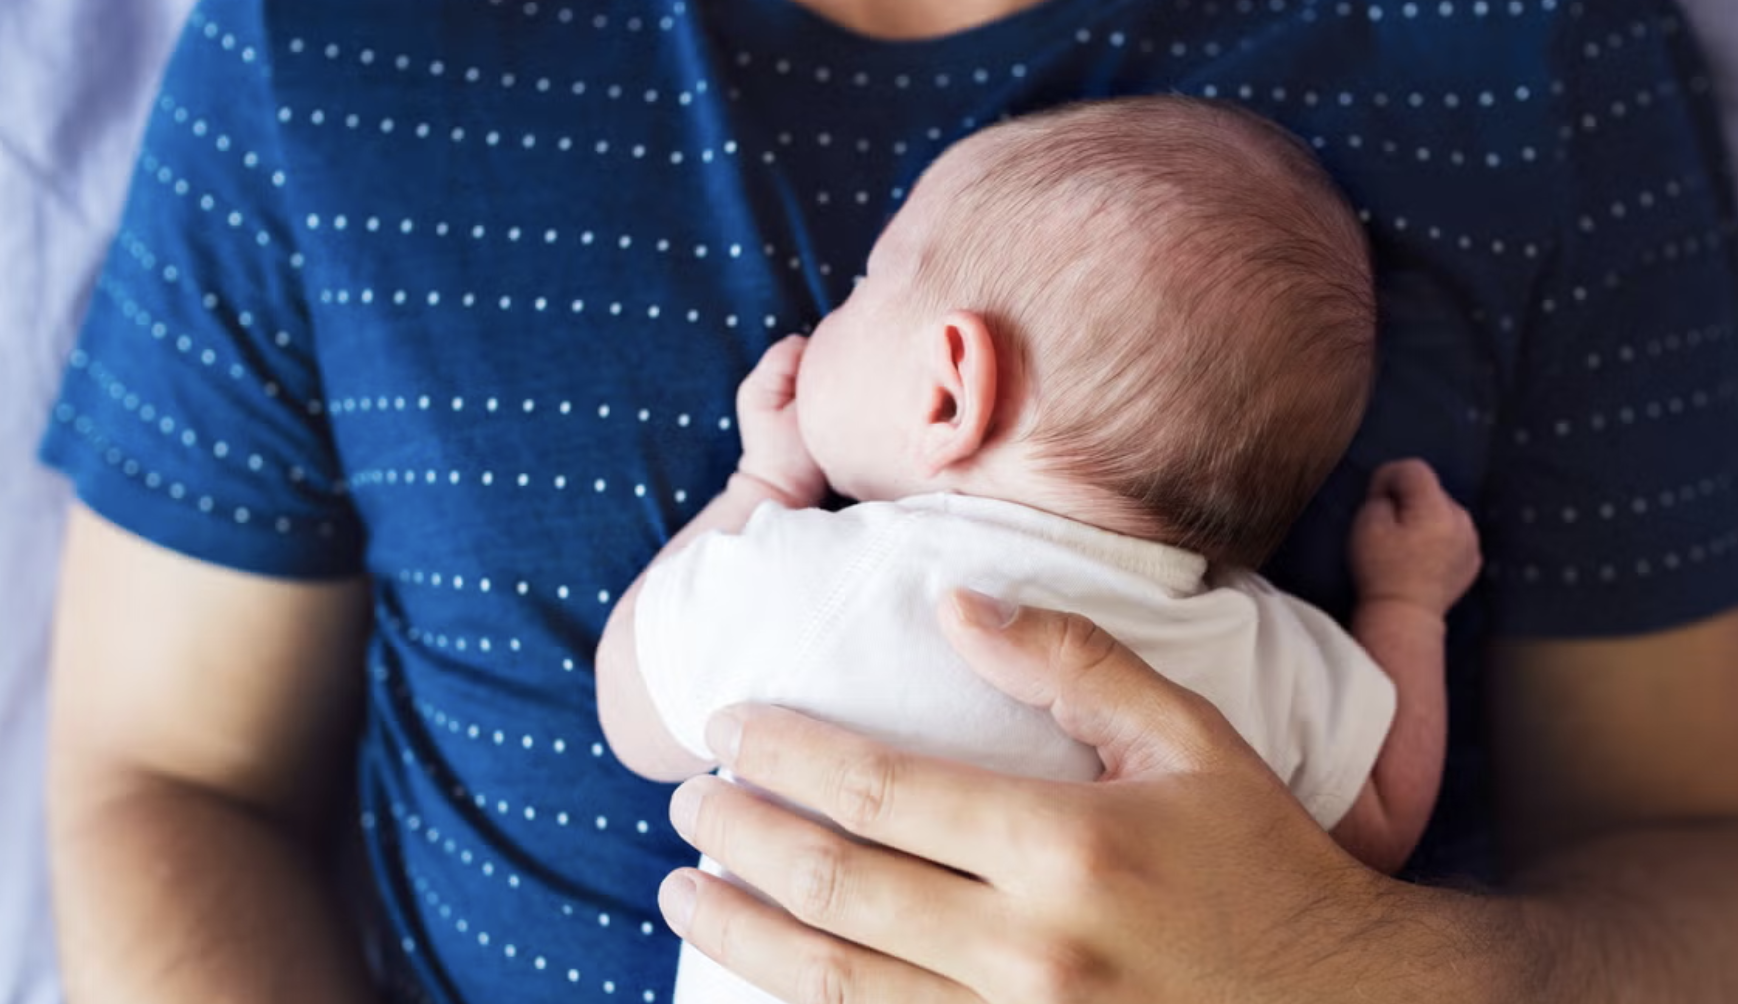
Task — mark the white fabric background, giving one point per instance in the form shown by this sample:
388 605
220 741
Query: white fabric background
75 78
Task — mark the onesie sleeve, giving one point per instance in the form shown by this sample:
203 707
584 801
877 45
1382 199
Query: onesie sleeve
1331 705
733 616
191 410
1611 507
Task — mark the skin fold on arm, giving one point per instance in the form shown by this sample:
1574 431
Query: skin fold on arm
202 734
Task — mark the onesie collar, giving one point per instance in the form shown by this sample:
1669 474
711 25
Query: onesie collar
1180 572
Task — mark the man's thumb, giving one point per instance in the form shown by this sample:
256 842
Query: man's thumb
1099 692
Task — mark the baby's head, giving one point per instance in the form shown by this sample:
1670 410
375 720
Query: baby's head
1153 314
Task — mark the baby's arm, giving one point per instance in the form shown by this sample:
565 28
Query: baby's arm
1414 552
776 467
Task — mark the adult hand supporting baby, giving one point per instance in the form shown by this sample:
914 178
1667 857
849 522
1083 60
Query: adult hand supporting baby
1186 873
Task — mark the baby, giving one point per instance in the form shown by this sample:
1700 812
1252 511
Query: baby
1100 361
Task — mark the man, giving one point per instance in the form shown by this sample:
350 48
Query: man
496 407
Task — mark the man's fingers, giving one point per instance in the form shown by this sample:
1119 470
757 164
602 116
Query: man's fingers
866 894
1098 691
928 807
787 959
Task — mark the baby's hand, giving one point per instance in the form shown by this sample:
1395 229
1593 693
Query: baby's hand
1411 542
773 451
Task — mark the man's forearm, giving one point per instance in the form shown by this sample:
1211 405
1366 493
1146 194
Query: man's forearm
1646 916
166 893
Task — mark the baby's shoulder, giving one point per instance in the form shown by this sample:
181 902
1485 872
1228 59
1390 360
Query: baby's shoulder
780 538
777 525
1281 622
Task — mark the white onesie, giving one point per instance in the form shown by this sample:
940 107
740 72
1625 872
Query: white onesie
834 615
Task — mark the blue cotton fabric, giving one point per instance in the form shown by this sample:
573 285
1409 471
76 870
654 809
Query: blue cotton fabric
457 294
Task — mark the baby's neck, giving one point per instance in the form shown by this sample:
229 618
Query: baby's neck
1081 503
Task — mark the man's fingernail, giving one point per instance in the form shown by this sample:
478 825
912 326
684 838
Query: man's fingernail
983 611
685 810
724 736
676 897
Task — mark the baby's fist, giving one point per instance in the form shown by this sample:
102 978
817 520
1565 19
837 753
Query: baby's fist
773 450
1411 542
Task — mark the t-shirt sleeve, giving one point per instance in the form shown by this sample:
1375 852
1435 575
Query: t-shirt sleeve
1611 506
191 410
733 616
1332 708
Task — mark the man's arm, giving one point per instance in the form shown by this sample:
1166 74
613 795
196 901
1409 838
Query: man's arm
202 730
1628 887
1619 808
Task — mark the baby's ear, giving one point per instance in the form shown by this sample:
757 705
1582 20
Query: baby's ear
960 372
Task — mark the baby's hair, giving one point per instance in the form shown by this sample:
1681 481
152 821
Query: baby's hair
1188 299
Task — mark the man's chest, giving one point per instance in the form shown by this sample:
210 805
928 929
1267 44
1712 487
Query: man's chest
531 349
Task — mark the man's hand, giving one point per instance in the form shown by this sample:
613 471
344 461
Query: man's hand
1186 873
773 451
1411 543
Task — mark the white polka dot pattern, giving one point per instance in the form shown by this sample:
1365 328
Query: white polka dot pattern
460 302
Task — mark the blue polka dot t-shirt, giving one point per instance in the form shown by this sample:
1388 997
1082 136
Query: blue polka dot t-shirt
456 295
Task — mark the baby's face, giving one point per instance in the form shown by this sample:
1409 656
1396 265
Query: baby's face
852 389
862 391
